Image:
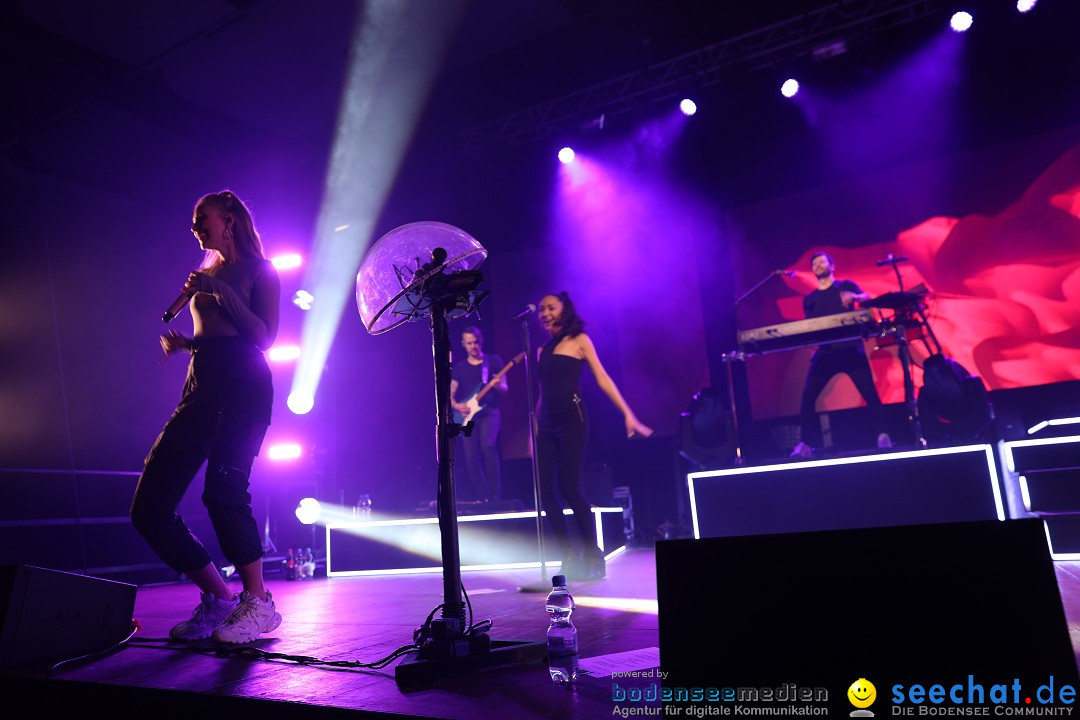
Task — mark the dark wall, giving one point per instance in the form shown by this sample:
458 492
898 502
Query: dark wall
97 206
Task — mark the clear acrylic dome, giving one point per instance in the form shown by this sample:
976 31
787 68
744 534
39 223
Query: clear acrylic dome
387 285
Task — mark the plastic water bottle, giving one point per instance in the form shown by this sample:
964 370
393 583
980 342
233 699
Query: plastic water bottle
362 509
561 634
288 565
307 564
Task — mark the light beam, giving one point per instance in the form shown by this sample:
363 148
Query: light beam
395 55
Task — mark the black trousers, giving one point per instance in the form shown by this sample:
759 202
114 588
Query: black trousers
221 420
481 450
825 365
560 454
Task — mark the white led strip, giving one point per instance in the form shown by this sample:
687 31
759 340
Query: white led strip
1056 421
1009 464
465 518
754 470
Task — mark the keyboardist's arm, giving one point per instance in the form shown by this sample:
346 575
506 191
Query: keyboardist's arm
850 298
850 293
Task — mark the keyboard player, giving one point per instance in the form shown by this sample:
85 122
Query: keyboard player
834 296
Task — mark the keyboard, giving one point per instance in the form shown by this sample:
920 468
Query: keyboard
855 325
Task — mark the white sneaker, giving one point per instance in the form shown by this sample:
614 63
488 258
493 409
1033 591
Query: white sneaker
208 614
251 618
884 441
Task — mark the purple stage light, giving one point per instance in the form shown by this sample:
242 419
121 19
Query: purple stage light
789 88
287 261
284 451
284 353
617 217
1025 5
566 155
688 107
961 21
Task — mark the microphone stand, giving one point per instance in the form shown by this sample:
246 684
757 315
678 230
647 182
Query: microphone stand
751 291
899 331
738 356
890 259
451 645
544 584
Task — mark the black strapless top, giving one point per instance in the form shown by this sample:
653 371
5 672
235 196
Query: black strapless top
560 385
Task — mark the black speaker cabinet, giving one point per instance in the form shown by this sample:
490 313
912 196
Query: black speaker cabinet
951 604
49 615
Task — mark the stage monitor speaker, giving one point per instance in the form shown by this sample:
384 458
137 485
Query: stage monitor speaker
910 605
49 615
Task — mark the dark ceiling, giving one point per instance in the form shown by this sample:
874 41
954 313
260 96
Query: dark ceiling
86 83
274 67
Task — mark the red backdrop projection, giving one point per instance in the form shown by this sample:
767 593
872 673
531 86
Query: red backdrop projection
1004 296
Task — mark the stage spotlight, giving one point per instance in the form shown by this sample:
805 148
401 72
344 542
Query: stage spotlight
1025 5
566 155
960 21
688 107
284 451
283 353
302 299
789 88
308 511
287 262
954 405
300 403
707 431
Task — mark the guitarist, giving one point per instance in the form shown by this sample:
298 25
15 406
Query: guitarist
481 446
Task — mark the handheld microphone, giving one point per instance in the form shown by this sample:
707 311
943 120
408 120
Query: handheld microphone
788 273
529 309
178 304
176 307
890 259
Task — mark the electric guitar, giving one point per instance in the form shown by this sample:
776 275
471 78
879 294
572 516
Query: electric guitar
474 400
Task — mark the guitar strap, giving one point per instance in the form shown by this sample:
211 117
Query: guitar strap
484 372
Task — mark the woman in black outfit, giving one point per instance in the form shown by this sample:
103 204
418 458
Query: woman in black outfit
563 431
221 419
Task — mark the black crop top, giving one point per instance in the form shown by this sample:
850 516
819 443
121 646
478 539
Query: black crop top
560 383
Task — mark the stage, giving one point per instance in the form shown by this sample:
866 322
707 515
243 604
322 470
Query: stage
364 619
359 619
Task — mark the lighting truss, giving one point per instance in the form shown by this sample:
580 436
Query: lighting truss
764 47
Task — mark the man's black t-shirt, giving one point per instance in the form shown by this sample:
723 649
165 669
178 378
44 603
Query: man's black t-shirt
827 302
470 378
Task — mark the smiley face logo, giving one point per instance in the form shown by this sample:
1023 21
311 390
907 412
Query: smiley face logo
862 693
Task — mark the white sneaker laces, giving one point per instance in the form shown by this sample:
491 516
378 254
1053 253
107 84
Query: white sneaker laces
245 609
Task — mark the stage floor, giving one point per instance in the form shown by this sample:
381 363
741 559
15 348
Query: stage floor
364 619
